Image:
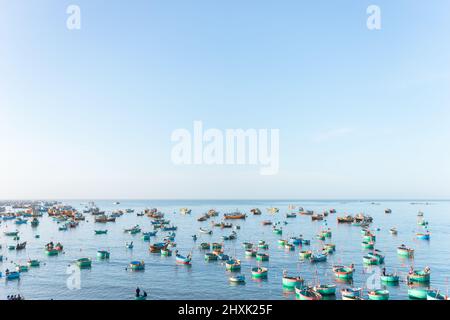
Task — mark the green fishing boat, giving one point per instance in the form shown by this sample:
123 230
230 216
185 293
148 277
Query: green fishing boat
165 252
102 254
325 289
405 251
305 254
368 244
379 295
137 265
282 242
84 263
101 231
419 276
435 295
262 256
418 293
247 245
51 252
250 253
263 245
34 263
277 231
259 272
233 265
292 282
343 272
210 256
390 278
306 293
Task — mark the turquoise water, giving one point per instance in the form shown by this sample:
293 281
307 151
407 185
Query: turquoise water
163 279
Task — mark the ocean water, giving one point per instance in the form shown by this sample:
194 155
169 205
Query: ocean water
164 279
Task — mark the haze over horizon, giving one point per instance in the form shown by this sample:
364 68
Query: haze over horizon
88 114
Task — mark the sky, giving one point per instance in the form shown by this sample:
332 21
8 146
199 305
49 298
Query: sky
89 113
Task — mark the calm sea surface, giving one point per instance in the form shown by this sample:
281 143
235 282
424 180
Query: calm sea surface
163 279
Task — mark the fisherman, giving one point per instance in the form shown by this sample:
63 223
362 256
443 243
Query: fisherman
384 271
138 292
145 294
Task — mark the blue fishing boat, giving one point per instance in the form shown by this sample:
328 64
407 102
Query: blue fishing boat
183 260
318 257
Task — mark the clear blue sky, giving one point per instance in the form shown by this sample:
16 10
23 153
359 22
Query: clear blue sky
89 113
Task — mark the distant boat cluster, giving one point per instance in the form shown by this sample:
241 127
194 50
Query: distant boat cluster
14 214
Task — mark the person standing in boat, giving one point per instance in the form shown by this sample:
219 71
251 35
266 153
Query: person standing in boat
138 292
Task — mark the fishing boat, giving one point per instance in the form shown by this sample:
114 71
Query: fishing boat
351 293
101 231
250 253
420 214
212 213
237 278
405 251
292 282
295 240
378 295
234 215
136 265
203 218
221 256
420 275
103 254
371 260
33 263
289 247
259 272
307 293
202 230
368 244
11 233
306 242
256 211
393 231
217 246
22 268
291 215
183 260
346 219
63 228
260 256
263 245
51 252
325 289
306 254
129 245
204 246
273 210
156 247
233 265
342 272
210 256
390 278
171 228
84 263
277 230
165 252
317 217
13 275
232 236
247 245
20 221
266 223
436 295
418 293
21 246
185 211
318 257
423 236
387 211
34 222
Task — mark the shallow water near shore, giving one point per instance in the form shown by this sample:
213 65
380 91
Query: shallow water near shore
164 279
